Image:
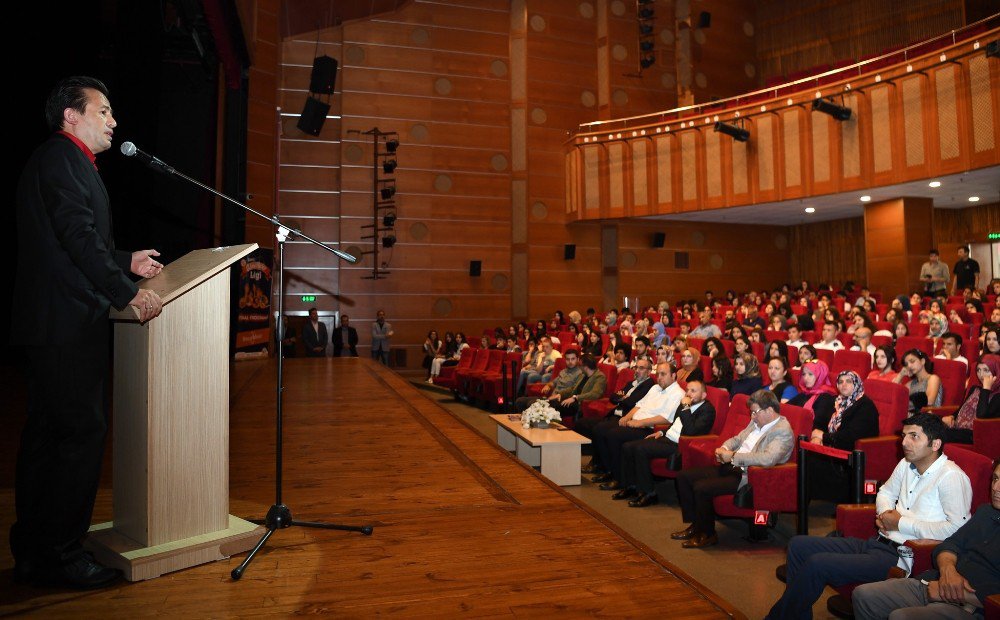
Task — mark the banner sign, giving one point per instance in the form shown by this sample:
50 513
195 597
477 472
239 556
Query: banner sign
253 331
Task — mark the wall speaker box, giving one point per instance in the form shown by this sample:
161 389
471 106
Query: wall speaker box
993 49
569 251
659 239
475 268
324 74
313 116
704 19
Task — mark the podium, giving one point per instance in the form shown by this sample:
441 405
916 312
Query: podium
171 426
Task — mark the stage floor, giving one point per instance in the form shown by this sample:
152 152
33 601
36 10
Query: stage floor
461 527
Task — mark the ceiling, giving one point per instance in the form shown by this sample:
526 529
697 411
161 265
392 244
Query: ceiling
299 16
953 193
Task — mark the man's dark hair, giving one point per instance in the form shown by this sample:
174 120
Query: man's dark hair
313 308
572 352
921 355
931 424
624 348
967 249
589 361
957 338
643 340
765 399
69 94
935 252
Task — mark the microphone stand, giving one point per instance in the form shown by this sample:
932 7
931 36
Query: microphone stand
279 516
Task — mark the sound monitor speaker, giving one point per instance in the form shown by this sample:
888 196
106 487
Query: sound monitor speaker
993 49
659 240
569 251
704 19
324 74
313 116
475 268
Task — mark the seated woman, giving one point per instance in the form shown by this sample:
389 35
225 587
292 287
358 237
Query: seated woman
980 402
741 345
885 359
939 325
899 330
664 355
991 341
806 354
777 372
593 346
854 417
713 348
433 348
659 335
734 332
722 374
448 353
925 386
690 369
776 348
746 373
815 391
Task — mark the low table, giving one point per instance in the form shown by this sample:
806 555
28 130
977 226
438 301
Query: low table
556 451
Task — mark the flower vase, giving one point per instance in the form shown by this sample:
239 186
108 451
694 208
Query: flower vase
540 424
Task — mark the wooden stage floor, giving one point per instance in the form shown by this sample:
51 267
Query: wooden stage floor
461 527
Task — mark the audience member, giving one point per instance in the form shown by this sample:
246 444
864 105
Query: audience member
706 329
830 342
815 391
560 387
777 372
934 274
314 335
345 334
592 387
690 369
722 374
795 337
541 369
381 333
433 349
863 341
776 348
966 272
951 348
925 387
746 374
883 362
980 402
624 400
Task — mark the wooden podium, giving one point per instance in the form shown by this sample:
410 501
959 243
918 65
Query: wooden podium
171 426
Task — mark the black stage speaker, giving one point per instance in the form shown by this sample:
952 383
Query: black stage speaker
704 20
324 74
475 268
993 49
659 240
569 251
313 115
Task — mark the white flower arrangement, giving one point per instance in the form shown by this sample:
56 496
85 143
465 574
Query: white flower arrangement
539 412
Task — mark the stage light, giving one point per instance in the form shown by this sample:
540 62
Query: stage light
934 184
389 220
387 193
647 61
646 13
736 133
388 242
388 166
826 106
810 209
646 46
645 29
866 198
973 198
392 144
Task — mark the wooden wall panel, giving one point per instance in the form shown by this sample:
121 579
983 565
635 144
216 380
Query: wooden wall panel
830 252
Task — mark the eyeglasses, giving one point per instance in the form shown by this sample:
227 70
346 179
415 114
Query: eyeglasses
755 411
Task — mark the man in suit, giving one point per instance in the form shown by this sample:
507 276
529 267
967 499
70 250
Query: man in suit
314 335
695 417
766 441
624 400
68 276
381 332
345 334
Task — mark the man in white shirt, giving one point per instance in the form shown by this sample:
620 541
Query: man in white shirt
863 341
707 329
951 348
830 341
624 400
795 337
658 406
927 496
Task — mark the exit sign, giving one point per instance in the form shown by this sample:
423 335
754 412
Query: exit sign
308 298
993 236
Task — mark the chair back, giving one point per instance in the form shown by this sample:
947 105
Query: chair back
979 469
953 375
482 358
737 417
892 401
858 361
801 420
720 400
611 374
825 356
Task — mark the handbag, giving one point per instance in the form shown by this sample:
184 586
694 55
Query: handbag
744 496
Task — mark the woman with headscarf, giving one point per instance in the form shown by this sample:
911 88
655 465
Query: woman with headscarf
815 391
980 402
690 369
659 335
939 325
854 417
746 374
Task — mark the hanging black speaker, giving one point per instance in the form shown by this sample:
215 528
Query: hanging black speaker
475 268
569 251
324 74
659 239
313 115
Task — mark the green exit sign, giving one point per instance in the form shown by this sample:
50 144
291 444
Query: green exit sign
993 236
308 298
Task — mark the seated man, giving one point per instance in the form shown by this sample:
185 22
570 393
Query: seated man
622 353
592 387
706 329
695 417
559 388
752 320
795 337
863 341
927 496
541 369
968 571
640 350
830 341
766 441
951 348
625 400
658 406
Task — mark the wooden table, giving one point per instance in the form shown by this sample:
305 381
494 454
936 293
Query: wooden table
556 451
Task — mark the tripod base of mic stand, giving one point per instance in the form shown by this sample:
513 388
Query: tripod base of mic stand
279 517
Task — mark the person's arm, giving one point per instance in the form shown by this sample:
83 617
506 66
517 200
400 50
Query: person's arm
952 587
955 493
860 421
700 422
594 389
933 385
776 448
888 493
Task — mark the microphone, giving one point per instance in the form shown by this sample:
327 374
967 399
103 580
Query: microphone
129 150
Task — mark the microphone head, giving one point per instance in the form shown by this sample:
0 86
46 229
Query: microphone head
128 149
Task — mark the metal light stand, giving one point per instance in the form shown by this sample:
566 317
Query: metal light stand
379 203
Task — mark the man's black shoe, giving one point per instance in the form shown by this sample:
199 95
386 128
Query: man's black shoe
625 493
602 478
614 485
80 573
644 500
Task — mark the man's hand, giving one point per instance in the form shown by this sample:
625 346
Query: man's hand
545 389
555 396
569 399
888 521
949 421
988 380
655 435
724 456
143 264
953 587
148 303
816 437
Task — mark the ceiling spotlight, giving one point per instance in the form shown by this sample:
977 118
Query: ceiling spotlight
392 144
826 106
388 242
389 165
866 198
736 133
387 193
934 184
810 209
973 198
389 220
647 61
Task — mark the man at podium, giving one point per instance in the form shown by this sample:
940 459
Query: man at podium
69 274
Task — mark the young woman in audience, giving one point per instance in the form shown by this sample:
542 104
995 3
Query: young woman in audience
559 319
995 315
746 374
776 323
853 417
899 330
593 346
776 348
664 354
690 369
871 310
815 391
777 372
885 359
741 345
659 335
722 374
447 353
991 341
939 325
433 348
734 332
954 318
713 348
925 386
806 354
539 330
980 402
916 305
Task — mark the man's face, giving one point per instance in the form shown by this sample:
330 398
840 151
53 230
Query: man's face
793 333
380 315
664 376
696 392
640 347
933 257
762 417
863 337
345 320
547 346
95 127
829 332
619 356
642 370
962 254
995 488
706 316
950 348
916 446
313 316
571 360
